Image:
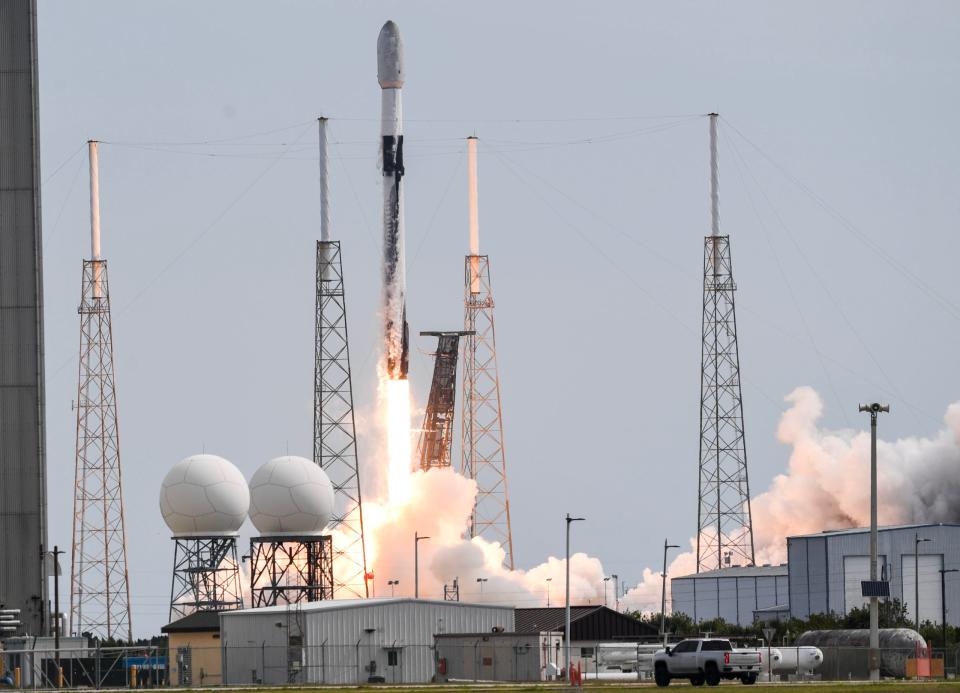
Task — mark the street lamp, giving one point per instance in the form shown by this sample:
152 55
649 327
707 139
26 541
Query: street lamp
663 593
566 631
393 584
481 581
416 564
943 602
548 581
917 540
605 581
874 409
616 591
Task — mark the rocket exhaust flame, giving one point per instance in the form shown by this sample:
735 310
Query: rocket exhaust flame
390 75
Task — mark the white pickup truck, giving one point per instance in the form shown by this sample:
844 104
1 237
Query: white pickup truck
706 660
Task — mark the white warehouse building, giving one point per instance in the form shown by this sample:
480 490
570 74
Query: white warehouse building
733 594
347 641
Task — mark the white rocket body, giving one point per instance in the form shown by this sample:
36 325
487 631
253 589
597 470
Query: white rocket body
390 74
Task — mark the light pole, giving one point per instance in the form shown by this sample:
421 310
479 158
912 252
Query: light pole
393 584
616 591
548 581
481 581
416 564
917 540
663 593
874 410
943 603
566 630
605 581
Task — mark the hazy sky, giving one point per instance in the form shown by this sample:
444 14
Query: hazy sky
841 199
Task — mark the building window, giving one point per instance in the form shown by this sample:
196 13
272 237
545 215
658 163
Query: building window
392 658
586 652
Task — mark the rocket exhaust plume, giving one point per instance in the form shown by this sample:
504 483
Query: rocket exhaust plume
390 74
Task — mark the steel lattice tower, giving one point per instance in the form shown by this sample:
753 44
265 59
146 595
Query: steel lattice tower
291 569
436 441
481 421
99 581
724 526
334 425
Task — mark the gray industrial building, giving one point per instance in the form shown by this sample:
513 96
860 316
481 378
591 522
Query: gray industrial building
347 641
23 522
733 594
826 569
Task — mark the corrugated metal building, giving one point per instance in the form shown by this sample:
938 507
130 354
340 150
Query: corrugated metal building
348 641
826 569
23 530
733 594
497 656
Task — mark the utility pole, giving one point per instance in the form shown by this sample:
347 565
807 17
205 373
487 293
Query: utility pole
874 409
663 593
943 603
566 630
416 564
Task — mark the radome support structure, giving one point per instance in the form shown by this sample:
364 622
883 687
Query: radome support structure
334 425
724 525
436 440
99 581
290 569
481 421
206 576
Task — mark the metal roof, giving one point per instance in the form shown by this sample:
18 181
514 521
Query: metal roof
546 619
335 604
740 571
864 530
586 623
197 622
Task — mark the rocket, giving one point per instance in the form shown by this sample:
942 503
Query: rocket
390 74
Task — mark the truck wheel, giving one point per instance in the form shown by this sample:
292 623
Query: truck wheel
661 675
712 674
748 679
696 680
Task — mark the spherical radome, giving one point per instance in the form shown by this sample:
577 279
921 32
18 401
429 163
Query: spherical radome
290 495
204 495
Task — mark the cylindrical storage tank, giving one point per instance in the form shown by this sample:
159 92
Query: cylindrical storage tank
290 496
796 660
204 496
844 651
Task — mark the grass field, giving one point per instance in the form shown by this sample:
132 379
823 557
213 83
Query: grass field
813 686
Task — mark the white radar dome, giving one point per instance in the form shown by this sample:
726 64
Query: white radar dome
204 496
290 496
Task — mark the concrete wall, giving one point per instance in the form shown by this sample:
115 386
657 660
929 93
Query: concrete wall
23 532
204 659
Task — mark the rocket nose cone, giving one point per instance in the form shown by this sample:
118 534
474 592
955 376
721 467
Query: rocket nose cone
390 57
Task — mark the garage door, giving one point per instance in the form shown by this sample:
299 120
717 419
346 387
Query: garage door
856 569
930 605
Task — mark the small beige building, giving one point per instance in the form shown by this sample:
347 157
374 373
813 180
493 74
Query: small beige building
194 650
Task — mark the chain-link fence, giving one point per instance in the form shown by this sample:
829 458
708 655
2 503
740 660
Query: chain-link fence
501 657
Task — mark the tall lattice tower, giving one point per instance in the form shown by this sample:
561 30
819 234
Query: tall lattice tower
436 440
481 422
99 581
724 526
334 426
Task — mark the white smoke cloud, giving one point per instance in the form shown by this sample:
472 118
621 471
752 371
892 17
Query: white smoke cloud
825 486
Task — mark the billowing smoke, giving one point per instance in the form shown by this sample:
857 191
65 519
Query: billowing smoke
826 486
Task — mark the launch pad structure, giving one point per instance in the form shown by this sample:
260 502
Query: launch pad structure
482 447
724 524
334 424
436 440
206 576
99 580
290 569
